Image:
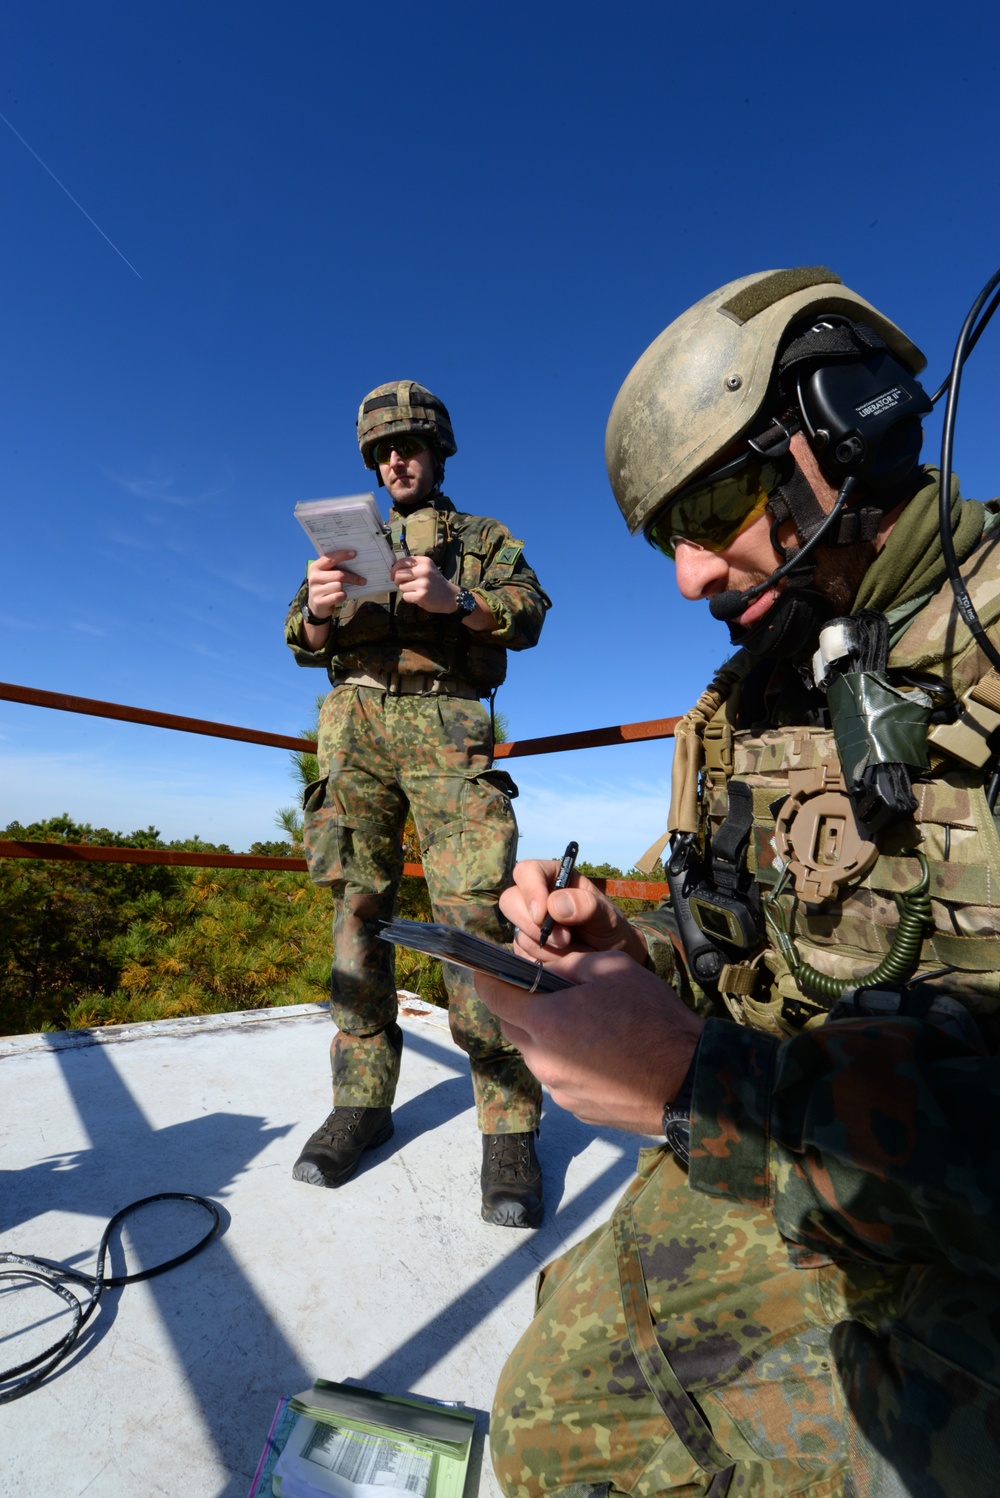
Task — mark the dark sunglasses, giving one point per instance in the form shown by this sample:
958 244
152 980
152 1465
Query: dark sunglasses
711 511
407 447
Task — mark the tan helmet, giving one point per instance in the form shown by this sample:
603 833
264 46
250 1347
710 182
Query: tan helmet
397 408
704 382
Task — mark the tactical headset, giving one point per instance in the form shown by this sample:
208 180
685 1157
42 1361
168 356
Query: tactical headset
861 410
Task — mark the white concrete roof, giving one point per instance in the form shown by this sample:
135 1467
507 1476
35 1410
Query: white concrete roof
393 1280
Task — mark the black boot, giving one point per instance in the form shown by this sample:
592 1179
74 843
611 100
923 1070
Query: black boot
331 1154
511 1181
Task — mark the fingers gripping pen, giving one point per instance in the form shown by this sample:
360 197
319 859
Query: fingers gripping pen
562 879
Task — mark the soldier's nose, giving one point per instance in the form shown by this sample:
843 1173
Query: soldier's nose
700 574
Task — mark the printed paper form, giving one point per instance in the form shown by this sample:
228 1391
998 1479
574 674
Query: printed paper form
351 523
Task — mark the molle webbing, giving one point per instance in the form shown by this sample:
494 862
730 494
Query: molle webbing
729 845
969 738
689 748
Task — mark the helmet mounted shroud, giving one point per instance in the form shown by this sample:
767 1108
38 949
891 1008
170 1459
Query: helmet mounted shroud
404 408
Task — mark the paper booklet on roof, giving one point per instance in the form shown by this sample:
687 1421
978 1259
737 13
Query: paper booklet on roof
338 1441
351 523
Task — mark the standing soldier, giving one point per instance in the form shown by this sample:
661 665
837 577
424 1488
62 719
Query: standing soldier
403 728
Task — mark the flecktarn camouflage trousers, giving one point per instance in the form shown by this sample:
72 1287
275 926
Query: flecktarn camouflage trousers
675 1350
383 754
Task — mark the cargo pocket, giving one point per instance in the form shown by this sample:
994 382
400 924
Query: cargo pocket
321 834
486 846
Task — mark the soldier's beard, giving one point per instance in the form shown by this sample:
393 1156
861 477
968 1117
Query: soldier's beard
840 571
789 626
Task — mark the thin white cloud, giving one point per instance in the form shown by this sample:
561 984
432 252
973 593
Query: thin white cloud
614 821
135 543
160 488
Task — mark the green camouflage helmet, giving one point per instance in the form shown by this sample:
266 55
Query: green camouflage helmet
705 380
400 407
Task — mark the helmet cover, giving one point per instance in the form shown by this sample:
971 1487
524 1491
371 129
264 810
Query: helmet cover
400 408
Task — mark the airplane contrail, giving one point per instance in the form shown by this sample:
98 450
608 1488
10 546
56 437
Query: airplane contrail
69 194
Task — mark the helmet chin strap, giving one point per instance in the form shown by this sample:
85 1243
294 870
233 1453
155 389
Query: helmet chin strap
788 629
790 624
728 605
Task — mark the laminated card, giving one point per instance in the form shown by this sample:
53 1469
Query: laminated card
351 523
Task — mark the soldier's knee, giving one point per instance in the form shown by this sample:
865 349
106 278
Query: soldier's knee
366 907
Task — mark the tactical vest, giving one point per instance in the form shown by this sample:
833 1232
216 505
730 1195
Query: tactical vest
382 633
844 927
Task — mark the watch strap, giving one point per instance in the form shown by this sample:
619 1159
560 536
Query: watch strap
312 618
677 1115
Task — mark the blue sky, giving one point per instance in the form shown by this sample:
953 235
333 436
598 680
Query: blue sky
506 203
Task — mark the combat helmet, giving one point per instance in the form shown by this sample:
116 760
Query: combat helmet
706 380
400 407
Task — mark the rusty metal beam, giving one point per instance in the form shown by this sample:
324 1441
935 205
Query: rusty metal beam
172 857
631 889
588 738
92 706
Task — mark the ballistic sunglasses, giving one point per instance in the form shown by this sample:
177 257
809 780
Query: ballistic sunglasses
712 510
407 447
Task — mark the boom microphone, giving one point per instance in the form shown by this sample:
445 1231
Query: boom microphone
731 604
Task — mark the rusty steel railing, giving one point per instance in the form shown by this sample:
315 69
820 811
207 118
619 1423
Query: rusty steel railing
590 738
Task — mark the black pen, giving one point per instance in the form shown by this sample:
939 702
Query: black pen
562 879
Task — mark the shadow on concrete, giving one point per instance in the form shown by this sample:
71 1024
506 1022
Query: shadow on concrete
197 1301
562 1138
234 1378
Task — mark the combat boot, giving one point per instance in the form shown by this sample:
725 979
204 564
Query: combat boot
331 1155
511 1181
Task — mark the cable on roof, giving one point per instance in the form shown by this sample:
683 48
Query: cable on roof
21 1379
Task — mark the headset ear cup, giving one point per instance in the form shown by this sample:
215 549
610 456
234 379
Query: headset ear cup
896 455
862 418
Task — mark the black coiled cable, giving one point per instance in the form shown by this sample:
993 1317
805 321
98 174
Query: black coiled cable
28 1375
915 917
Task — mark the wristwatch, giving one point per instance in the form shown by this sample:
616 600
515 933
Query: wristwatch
465 603
312 618
677 1116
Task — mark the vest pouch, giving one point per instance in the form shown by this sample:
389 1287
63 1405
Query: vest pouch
427 533
482 664
321 834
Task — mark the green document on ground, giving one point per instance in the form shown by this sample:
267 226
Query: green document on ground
353 1443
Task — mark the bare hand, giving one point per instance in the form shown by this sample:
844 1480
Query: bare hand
327 580
586 919
613 1050
420 581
